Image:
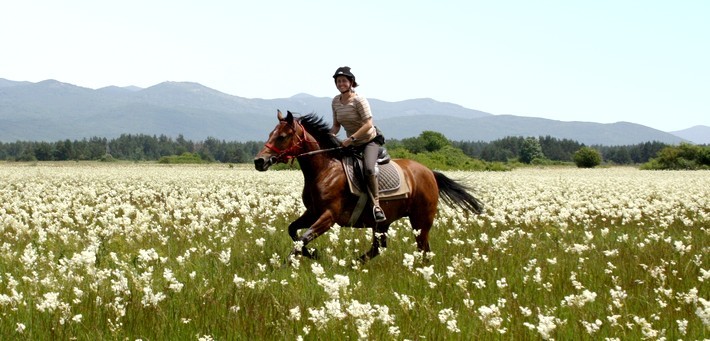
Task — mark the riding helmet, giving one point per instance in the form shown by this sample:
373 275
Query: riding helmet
345 71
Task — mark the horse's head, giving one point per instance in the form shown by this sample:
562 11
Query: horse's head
285 142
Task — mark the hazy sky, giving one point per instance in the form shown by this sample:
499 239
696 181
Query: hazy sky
646 62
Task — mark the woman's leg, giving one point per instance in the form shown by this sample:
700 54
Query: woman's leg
370 158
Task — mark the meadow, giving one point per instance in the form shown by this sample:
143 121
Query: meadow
198 252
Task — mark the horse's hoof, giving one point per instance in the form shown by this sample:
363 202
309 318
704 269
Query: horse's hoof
312 254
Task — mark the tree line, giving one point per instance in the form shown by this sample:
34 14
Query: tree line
141 147
529 149
133 147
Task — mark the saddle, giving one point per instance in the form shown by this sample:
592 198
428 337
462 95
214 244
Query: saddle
390 178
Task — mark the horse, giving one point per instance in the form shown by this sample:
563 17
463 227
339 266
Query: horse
326 195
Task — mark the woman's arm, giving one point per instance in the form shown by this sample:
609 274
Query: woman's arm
364 129
336 126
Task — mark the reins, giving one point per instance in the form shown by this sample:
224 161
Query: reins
289 154
319 151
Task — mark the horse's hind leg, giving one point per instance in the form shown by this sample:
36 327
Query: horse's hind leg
421 223
379 239
423 240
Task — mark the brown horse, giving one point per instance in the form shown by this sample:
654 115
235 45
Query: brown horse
326 194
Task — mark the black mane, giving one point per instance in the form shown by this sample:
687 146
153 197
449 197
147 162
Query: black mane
320 130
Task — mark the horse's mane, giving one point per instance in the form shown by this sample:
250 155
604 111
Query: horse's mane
320 130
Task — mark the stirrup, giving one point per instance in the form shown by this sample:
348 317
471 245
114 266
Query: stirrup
378 214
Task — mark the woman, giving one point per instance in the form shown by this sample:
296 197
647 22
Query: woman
352 112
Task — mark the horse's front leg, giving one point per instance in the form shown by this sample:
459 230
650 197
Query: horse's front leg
304 221
321 225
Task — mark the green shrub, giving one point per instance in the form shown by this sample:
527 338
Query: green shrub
530 150
683 157
587 157
448 158
107 158
182 159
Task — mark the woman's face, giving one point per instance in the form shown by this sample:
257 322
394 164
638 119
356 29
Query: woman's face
342 83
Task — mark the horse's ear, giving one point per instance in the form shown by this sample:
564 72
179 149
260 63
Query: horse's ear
279 115
289 117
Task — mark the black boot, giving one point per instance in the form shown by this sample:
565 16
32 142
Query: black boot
375 195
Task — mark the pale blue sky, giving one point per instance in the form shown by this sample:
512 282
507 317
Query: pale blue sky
646 62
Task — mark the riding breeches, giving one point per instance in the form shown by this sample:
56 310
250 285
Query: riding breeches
369 156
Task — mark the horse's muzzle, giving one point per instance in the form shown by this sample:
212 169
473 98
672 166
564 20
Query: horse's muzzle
262 164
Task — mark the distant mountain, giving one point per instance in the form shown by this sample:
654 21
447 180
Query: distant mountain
7 83
499 126
696 134
51 110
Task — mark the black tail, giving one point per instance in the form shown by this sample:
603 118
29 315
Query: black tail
455 194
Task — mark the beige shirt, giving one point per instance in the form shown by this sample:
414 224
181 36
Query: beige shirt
353 115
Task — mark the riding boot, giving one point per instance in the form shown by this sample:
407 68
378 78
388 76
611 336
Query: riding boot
375 195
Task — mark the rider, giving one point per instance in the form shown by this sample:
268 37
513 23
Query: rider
352 111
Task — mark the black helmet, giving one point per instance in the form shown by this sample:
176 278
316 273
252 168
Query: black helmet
345 71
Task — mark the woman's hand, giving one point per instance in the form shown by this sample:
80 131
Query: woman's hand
347 142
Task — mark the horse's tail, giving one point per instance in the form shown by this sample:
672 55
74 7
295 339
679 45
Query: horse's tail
455 194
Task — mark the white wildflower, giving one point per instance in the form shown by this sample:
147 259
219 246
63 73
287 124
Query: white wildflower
618 296
29 257
680 248
545 326
317 269
703 311
682 326
151 299
225 256
334 286
611 253
405 301
240 282
646 328
427 271
592 327
491 317
579 300
408 261
20 328
146 256
613 319
49 302
448 317
294 314
173 283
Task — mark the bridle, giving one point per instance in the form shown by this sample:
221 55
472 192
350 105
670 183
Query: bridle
293 152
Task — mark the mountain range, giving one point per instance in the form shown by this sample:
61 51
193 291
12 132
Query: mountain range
51 110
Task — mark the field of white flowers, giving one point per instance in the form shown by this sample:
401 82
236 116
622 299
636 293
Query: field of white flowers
155 252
